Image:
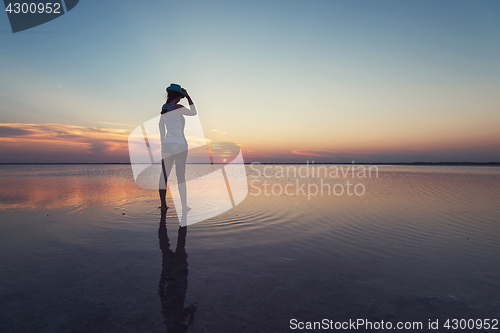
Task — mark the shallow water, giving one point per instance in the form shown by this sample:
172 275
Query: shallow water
85 249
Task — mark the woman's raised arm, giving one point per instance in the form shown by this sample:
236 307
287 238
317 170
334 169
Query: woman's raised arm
180 109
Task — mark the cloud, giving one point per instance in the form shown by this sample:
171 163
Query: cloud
335 156
99 147
218 132
117 124
61 143
329 153
7 131
314 152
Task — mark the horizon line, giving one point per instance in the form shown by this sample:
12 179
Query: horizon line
249 163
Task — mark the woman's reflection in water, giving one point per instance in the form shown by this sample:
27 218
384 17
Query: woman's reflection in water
173 279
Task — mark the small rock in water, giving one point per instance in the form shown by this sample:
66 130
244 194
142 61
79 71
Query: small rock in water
124 214
467 237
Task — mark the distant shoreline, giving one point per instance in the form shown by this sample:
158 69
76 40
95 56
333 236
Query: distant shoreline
286 163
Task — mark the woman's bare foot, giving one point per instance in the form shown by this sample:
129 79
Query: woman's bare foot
186 209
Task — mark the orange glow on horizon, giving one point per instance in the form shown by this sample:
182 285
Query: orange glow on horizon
54 143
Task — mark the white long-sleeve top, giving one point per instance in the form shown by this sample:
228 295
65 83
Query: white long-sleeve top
173 121
174 124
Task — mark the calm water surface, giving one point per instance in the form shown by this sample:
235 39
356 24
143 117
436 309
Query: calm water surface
83 249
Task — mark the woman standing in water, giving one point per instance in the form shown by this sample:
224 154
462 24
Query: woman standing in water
174 147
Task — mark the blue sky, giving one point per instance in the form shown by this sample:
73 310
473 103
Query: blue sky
290 80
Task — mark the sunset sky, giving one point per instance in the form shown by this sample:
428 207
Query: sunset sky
288 81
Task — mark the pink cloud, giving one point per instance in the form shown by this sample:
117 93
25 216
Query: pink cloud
52 143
